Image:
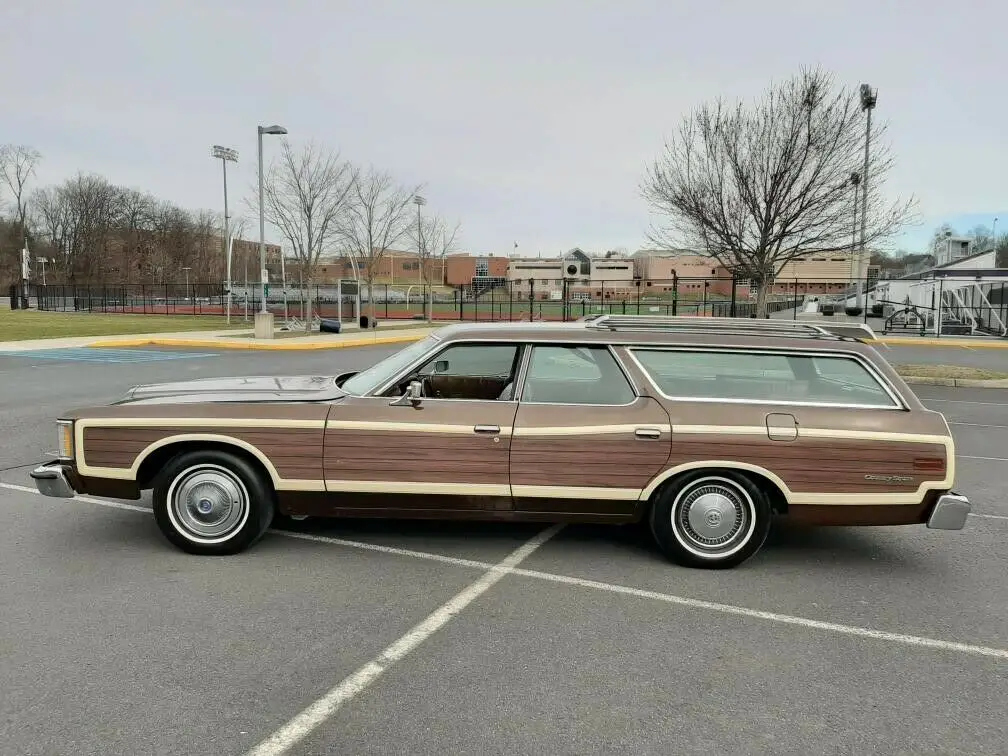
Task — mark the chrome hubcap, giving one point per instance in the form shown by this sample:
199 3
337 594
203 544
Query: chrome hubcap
713 517
208 503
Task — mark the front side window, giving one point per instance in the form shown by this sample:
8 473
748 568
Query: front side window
575 375
376 375
763 377
482 372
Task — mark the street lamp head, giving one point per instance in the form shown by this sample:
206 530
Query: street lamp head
224 153
869 97
274 129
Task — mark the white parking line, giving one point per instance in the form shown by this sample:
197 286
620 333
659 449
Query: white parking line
988 459
853 630
304 723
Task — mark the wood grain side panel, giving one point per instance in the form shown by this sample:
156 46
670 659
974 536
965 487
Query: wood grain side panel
406 457
295 453
603 461
823 465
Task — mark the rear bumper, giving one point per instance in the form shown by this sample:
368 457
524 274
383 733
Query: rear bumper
51 480
950 512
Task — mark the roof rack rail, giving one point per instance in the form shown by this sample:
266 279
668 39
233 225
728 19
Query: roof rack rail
737 326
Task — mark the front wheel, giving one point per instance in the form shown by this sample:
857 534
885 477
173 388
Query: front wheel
212 502
710 519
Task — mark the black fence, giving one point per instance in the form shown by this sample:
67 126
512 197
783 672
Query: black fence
502 300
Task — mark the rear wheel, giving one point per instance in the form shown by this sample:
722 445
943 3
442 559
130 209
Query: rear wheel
212 502
714 519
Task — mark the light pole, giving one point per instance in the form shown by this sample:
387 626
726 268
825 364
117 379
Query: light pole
869 97
420 202
225 154
187 269
264 319
855 179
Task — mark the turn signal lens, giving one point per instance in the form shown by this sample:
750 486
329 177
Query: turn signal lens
66 439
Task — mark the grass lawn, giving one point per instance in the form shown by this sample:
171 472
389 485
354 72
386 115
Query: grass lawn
949 371
17 325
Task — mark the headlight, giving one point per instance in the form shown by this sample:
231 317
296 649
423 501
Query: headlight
65 439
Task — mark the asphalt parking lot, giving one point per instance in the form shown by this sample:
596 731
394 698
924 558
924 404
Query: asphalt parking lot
413 637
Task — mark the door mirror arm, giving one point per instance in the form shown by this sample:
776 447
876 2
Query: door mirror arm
412 397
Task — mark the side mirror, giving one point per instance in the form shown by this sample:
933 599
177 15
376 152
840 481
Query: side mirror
412 396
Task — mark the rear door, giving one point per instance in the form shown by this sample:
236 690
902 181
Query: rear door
584 440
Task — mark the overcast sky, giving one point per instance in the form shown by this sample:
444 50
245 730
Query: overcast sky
529 121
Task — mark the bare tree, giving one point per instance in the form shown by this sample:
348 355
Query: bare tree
379 216
17 166
306 196
756 188
435 239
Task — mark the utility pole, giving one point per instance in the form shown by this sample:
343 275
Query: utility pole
868 99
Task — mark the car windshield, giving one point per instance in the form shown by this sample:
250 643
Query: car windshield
376 375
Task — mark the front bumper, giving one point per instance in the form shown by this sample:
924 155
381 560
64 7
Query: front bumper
950 512
51 480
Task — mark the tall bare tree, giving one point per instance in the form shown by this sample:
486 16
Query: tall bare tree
306 196
755 188
379 216
435 238
17 166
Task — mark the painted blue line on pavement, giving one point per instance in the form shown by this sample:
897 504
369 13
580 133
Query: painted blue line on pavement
106 355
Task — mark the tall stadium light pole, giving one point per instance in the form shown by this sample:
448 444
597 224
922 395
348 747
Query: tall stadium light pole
869 97
226 154
266 329
420 202
855 180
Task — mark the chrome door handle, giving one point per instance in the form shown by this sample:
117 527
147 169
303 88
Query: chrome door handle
647 433
486 429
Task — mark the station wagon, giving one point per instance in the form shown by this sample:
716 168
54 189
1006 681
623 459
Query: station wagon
706 430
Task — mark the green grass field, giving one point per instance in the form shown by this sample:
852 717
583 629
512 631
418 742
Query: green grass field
18 325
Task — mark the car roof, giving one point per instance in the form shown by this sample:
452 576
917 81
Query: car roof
668 331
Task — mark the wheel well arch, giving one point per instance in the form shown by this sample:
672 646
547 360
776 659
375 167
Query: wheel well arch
770 484
153 461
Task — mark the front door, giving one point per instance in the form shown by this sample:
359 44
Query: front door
448 451
584 441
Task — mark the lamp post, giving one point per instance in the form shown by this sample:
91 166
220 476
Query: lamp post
420 202
869 97
226 154
264 318
855 180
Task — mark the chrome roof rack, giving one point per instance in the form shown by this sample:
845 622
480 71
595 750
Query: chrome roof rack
735 326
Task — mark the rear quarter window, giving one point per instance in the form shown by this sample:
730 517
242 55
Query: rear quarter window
763 377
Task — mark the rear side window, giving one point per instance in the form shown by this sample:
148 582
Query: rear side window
761 377
575 375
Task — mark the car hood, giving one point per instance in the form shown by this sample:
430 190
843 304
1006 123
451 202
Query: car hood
264 388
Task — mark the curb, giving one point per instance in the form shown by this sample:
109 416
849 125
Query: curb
948 341
254 345
996 383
